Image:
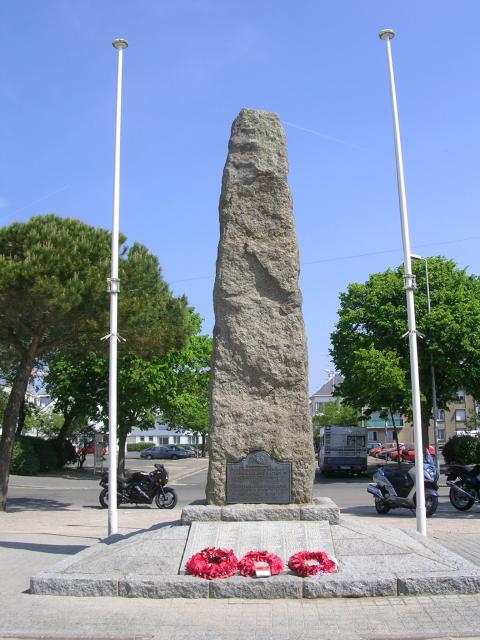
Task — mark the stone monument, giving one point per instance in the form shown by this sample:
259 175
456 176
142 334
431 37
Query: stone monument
260 438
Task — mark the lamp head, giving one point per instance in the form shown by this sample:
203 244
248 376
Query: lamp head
386 34
120 43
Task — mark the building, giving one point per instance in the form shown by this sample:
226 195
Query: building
325 393
449 422
159 435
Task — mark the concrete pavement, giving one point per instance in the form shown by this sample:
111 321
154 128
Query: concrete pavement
32 540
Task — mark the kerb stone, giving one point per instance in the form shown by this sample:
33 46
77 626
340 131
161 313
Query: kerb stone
163 587
336 586
438 585
74 585
268 588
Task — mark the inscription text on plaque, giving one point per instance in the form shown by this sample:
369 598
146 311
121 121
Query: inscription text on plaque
259 479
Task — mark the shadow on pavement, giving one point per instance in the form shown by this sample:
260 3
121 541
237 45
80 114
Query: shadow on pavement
69 549
71 473
344 477
36 504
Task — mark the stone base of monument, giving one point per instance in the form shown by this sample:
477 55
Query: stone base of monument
372 561
319 509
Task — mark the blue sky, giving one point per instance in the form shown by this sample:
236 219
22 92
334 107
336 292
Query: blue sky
190 67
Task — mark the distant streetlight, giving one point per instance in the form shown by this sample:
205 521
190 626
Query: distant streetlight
432 368
113 289
409 279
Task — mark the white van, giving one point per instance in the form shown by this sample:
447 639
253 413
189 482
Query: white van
342 449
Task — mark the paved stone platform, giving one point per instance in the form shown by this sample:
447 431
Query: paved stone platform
282 538
373 561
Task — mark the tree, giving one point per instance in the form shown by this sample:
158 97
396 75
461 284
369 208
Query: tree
78 382
186 403
52 297
335 412
373 357
44 423
173 386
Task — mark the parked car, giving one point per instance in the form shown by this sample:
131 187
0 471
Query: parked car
373 445
407 453
386 454
187 447
391 444
172 452
90 448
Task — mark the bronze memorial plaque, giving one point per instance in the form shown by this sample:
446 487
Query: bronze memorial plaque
259 479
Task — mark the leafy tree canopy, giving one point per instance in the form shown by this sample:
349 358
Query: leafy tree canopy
52 297
369 351
186 403
335 412
173 387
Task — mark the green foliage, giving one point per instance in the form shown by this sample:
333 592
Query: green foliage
472 422
24 461
174 384
46 452
52 299
336 413
3 402
185 404
139 446
44 422
369 351
462 449
65 452
31 455
52 283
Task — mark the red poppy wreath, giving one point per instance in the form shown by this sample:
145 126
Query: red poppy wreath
311 563
247 563
211 562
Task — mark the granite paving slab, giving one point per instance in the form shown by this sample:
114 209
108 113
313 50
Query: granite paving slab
283 538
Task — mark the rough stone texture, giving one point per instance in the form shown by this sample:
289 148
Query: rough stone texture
192 513
268 588
161 587
320 512
438 585
258 394
245 512
335 586
73 585
320 509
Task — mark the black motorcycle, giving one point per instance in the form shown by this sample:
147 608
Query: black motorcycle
394 487
141 488
464 483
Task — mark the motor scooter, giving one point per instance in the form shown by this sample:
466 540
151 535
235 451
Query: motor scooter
394 486
464 483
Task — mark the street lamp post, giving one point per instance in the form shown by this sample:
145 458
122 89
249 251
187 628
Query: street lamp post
432 368
409 279
114 288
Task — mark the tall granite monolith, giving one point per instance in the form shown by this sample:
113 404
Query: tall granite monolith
258 392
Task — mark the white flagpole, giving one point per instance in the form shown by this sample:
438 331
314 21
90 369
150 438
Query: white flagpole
386 35
113 288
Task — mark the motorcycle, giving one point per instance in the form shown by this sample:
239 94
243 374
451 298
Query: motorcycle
394 487
465 490
141 488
